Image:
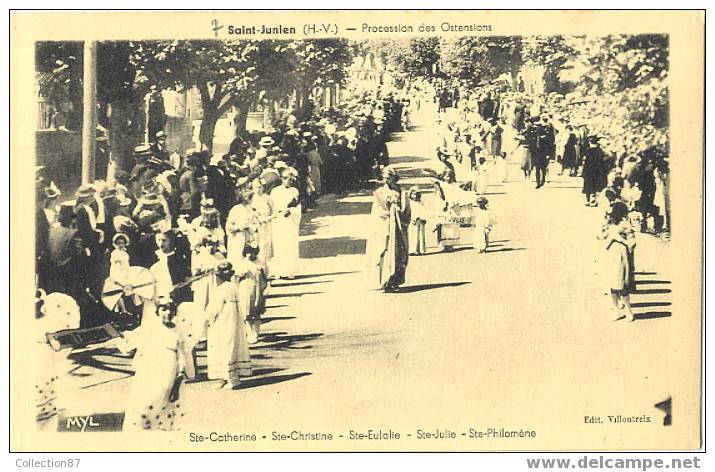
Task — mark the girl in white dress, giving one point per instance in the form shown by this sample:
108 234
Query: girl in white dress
241 226
286 226
263 207
483 222
227 353
159 364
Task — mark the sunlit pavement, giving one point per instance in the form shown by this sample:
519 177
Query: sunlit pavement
518 337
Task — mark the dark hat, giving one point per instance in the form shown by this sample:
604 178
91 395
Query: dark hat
481 201
52 191
67 211
224 269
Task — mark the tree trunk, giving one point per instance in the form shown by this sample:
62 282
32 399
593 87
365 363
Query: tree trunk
124 134
208 126
241 118
306 107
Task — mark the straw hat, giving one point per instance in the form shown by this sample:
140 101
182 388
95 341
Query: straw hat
85 191
266 141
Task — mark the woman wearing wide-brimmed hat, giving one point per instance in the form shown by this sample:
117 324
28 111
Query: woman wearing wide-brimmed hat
388 246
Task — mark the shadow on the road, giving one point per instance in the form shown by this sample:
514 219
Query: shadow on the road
268 319
334 206
397 160
646 273
274 306
285 295
652 282
331 247
89 358
422 287
280 340
650 315
495 193
652 291
266 371
506 249
649 304
293 284
270 380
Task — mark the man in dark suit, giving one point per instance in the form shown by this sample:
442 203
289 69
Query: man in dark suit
91 240
158 147
545 146
172 267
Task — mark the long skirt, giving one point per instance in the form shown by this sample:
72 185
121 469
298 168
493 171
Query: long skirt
388 253
285 248
524 156
155 374
264 237
417 238
228 357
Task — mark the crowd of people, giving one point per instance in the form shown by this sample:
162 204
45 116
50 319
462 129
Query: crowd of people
208 233
545 142
630 189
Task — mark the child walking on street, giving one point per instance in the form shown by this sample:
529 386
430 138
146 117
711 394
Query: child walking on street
620 243
483 221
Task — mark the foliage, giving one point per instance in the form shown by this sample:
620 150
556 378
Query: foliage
467 61
623 93
550 52
226 73
320 61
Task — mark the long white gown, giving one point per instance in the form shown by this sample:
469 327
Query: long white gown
157 363
228 357
263 206
241 225
285 231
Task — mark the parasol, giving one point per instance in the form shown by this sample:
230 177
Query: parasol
138 281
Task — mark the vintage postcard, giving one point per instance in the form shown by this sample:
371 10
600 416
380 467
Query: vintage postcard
356 230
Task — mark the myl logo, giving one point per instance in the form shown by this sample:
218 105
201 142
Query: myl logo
94 422
80 422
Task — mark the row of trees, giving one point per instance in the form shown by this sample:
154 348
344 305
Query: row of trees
615 85
226 74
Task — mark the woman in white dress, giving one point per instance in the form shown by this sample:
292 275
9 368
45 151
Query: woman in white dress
241 226
158 365
286 226
263 207
227 355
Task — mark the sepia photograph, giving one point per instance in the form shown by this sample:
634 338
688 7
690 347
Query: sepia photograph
357 231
